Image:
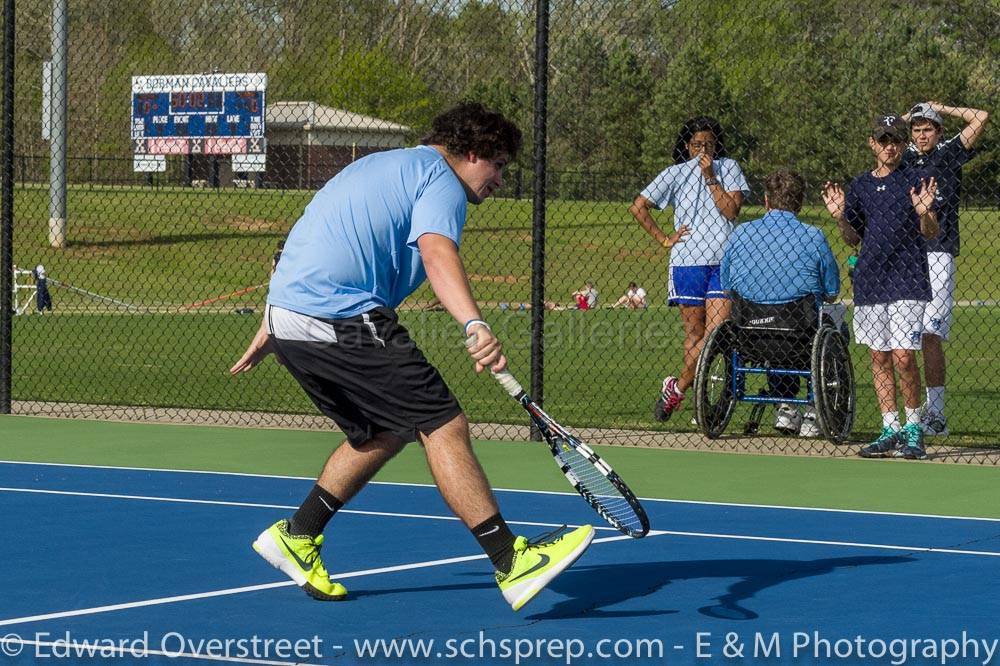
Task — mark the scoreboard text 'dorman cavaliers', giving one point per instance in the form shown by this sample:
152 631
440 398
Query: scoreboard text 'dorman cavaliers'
215 114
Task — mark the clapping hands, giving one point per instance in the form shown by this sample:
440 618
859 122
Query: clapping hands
833 197
923 198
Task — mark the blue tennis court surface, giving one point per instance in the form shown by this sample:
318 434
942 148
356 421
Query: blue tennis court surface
160 562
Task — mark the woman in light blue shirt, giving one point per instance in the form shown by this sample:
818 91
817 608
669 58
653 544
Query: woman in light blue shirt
706 190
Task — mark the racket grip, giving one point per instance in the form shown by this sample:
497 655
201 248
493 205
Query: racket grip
510 384
504 377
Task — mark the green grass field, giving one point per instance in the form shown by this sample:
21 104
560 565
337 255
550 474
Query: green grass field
176 246
969 490
602 367
165 248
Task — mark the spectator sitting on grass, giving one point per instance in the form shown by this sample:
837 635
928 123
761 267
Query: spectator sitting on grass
634 298
586 298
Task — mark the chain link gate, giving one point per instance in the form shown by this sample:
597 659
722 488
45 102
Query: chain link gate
154 241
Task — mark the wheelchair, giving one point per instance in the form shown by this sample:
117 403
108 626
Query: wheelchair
785 341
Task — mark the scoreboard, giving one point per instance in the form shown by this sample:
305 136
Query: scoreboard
219 114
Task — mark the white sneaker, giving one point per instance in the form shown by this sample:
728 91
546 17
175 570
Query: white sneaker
933 424
788 419
809 427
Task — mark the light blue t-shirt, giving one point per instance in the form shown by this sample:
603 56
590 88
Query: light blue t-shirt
777 259
683 187
355 246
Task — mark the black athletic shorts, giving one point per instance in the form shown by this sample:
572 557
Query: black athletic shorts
372 379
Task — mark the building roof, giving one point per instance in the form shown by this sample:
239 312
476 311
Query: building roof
299 115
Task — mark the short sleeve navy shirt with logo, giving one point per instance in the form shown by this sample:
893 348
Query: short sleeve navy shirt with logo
945 163
892 265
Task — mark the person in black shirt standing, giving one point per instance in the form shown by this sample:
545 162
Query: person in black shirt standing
893 211
944 160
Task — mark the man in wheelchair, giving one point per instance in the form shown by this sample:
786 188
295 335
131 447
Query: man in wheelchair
777 271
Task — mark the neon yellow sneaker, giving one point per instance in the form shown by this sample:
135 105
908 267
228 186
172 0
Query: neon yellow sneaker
298 557
537 563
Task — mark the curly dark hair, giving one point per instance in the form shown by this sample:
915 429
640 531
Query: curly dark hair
692 127
470 127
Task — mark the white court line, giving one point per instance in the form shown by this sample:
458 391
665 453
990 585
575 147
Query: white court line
150 498
255 588
161 469
521 490
230 591
453 560
255 505
821 542
707 535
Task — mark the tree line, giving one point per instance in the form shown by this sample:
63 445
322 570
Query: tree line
794 83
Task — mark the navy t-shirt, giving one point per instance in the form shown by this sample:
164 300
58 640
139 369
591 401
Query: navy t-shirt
892 264
945 163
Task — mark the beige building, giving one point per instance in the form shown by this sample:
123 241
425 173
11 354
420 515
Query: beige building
308 143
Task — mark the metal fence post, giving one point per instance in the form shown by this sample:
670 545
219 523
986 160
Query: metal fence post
538 212
7 213
57 147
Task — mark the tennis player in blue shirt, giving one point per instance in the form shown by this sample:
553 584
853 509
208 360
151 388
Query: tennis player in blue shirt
778 259
365 242
892 210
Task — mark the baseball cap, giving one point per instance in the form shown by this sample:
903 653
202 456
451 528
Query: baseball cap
923 111
889 125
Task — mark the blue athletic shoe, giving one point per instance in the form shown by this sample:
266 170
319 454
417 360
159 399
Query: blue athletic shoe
913 438
886 445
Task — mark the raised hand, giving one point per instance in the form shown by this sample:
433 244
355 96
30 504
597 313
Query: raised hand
833 197
923 199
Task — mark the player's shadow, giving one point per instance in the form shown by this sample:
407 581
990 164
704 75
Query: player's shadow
589 590
489 584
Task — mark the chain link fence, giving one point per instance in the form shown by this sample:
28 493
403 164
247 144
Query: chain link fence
163 150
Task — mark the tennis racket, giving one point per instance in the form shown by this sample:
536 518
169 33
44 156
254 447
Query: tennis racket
586 471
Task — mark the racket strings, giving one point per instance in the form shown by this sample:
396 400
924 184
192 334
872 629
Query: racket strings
599 490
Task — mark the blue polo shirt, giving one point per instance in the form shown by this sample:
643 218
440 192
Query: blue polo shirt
355 247
944 162
777 259
683 187
892 264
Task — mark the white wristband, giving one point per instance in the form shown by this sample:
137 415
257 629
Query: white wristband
473 322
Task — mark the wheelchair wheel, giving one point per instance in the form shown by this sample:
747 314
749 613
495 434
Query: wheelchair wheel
833 384
713 388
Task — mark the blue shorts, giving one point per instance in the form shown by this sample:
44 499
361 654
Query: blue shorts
692 285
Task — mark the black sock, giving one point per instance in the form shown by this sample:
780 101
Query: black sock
314 513
497 540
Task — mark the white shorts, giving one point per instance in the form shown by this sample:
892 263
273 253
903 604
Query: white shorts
937 315
888 326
